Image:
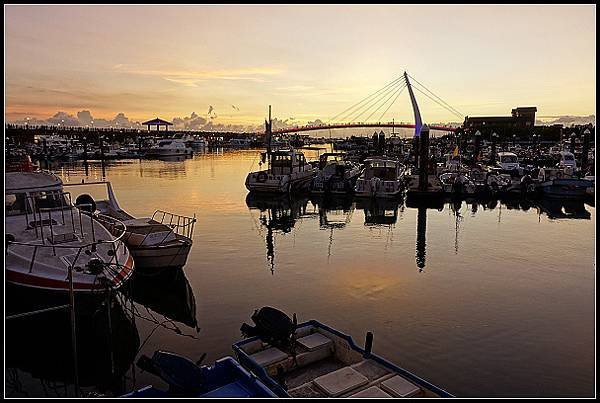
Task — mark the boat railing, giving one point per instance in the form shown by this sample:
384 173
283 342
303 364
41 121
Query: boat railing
45 217
179 224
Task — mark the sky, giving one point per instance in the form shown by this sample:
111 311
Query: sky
199 65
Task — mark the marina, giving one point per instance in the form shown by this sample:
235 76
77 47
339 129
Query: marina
416 264
299 201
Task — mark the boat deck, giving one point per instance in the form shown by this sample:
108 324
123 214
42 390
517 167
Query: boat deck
324 366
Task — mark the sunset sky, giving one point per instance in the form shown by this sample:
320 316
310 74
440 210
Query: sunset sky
309 61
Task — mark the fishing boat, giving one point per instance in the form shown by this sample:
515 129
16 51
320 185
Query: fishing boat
336 175
156 243
288 171
225 378
312 359
48 237
382 177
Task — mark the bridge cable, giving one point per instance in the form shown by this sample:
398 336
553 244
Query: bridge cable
388 108
375 101
366 98
369 104
440 104
432 93
385 102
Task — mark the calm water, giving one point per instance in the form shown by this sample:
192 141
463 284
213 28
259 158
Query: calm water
482 300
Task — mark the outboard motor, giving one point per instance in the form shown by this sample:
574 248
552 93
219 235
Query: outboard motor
272 326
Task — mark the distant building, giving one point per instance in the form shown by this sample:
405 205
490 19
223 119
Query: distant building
521 118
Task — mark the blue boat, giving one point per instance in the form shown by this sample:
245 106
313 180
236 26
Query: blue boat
226 378
315 360
567 188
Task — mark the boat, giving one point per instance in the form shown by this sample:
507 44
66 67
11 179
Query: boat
48 237
336 175
240 142
557 182
156 243
225 378
288 171
169 148
194 141
508 162
312 359
382 177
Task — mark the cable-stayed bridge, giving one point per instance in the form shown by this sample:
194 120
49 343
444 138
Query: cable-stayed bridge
360 114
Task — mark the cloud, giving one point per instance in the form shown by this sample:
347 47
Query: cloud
82 119
566 120
192 122
190 78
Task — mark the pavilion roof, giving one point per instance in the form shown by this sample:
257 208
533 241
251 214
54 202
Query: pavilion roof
159 122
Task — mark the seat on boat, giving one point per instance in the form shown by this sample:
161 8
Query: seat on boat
341 381
397 386
314 341
372 392
268 356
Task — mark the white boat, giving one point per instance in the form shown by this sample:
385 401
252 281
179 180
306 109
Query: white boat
159 242
382 177
336 175
288 171
194 141
170 148
47 235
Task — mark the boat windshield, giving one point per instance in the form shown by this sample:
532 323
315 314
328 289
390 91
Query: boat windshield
384 173
509 158
568 157
164 143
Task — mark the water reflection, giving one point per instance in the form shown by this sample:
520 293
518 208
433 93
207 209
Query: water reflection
335 212
277 213
380 211
168 293
560 209
41 346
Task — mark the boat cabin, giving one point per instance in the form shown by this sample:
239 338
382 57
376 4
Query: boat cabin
287 162
384 169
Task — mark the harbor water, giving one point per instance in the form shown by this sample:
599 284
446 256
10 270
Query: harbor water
493 299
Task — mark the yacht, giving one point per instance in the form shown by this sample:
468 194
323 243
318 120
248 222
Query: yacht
47 237
170 148
382 177
288 171
336 174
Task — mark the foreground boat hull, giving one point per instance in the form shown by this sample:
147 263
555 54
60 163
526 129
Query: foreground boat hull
357 373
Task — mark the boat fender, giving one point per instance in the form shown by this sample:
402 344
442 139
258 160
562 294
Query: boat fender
262 177
86 202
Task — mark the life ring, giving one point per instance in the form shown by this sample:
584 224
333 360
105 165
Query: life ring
262 177
85 199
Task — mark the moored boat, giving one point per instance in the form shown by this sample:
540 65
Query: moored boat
312 359
225 378
382 177
47 237
288 171
336 175
156 243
